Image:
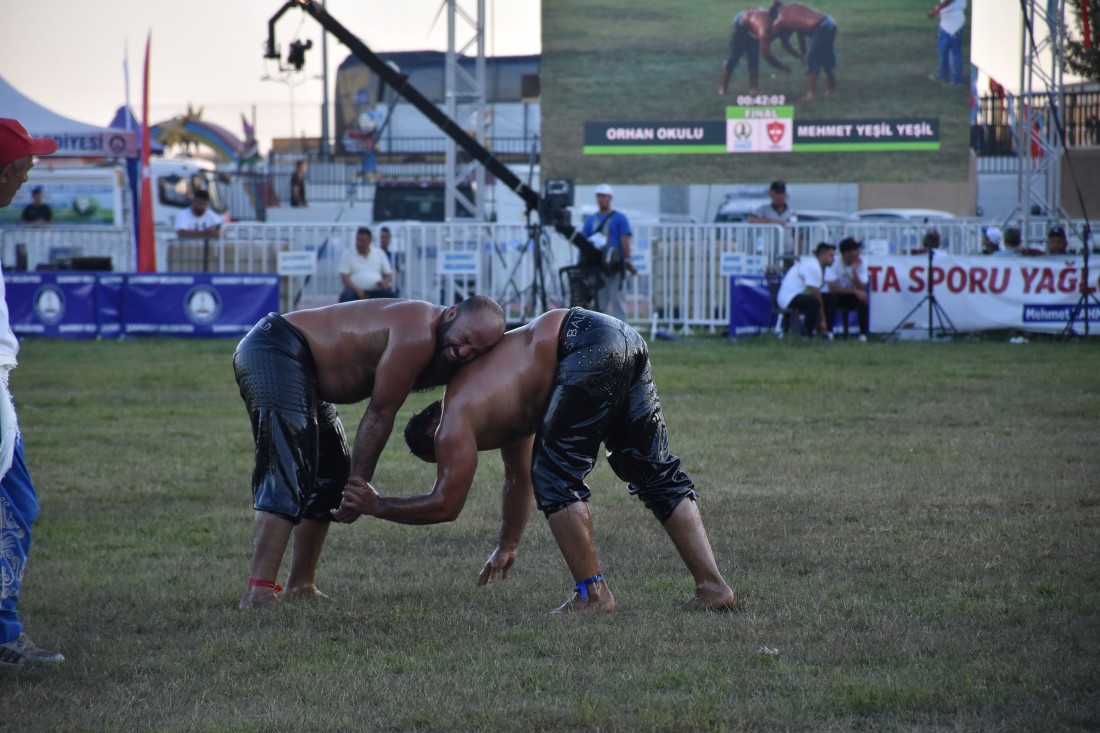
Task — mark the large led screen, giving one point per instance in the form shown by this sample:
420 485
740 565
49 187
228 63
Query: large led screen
630 93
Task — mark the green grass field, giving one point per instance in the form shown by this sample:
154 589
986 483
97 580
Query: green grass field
639 60
912 530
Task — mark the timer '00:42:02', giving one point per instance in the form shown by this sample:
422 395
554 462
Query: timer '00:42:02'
762 99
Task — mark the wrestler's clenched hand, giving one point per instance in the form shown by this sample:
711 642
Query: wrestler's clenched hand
359 497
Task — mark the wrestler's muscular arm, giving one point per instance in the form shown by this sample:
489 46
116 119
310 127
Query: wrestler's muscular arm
403 359
785 41
516 502
456 463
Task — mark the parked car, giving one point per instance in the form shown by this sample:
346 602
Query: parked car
738 208
805 215
917 215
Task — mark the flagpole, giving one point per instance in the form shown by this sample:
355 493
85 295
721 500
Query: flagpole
147 252
126 82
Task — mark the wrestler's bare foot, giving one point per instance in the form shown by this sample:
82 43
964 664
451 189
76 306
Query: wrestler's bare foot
710 599
809 97
259 599
721 92
599 599
305 593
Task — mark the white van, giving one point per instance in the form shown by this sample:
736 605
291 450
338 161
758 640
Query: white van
82 194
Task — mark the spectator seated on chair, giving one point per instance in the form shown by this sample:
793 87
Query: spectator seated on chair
365 271
846 288
801 287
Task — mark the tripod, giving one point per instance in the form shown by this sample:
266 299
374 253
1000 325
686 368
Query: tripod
534 296
1082 307
934 308
536 292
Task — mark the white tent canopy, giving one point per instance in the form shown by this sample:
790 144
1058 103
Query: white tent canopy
73 138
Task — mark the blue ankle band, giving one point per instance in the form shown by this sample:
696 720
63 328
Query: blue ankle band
582 587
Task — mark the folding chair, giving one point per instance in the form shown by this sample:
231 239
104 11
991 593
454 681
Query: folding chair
582 283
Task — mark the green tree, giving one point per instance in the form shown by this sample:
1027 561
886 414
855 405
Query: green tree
1082 59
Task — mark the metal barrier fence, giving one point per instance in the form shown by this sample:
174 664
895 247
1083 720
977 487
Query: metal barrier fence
684 269
67 247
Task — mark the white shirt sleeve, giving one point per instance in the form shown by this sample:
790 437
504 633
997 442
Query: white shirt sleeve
809 269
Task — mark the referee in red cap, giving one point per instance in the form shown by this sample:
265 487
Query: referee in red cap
18 502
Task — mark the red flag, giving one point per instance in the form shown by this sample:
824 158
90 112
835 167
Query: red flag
147 247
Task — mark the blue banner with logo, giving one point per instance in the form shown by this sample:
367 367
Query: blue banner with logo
196 305
750 305
107 305
52 304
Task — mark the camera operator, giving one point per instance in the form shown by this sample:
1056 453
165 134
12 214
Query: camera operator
609 231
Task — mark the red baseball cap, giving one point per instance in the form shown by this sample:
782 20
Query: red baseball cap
15 143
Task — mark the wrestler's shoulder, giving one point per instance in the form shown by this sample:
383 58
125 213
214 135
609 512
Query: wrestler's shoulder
394 310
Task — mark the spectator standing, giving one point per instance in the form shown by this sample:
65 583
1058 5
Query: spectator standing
778 211
198 221
952 15
611 229
18 499
1010 246
1056 241
991 240
37 211
801 289
298 185
365 271
846 288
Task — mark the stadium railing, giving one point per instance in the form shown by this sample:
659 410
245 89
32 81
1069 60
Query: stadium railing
684 269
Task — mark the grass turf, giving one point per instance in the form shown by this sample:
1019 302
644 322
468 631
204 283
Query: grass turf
911 529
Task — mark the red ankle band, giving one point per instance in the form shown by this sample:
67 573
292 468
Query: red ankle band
265 584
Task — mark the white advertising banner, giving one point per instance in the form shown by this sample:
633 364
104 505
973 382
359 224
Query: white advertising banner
979 293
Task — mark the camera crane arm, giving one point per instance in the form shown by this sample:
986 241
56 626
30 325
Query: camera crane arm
401 85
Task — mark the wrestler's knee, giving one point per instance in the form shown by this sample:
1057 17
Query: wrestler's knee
550 503
663 503
268 496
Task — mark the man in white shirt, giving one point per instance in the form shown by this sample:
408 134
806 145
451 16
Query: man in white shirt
846 288
801 289
365 271
952 19
198 222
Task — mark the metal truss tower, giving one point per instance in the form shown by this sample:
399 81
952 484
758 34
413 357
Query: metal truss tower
462 88
1038 142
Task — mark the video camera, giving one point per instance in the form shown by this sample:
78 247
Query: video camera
557 199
